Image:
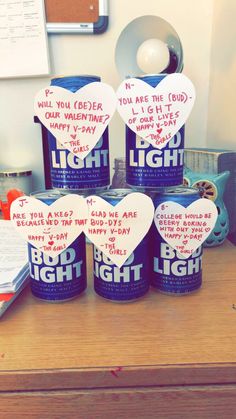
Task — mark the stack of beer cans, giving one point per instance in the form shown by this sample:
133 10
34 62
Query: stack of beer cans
157 173
64 277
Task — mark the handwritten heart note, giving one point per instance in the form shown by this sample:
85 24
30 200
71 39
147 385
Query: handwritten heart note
156 114
77 120
117 230
185 229
50 228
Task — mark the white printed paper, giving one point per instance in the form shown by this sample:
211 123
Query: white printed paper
23 38
13 257
13 249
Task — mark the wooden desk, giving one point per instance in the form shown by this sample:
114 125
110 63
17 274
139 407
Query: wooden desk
160 357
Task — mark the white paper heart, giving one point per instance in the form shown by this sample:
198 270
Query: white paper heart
117 230
77 120
156 114
50 228
185 229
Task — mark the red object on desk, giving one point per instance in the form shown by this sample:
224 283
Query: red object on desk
12 194
7 296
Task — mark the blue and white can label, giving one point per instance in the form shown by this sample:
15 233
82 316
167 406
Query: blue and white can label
60 278
172 273
63 277
67 171
127 283
148 167
70 172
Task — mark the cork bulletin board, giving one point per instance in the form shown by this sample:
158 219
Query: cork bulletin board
82 16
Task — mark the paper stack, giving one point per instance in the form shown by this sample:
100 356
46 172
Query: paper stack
14 270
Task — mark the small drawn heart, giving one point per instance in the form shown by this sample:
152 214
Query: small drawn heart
142 107
159 130
125 231
37 215
84 114
189 226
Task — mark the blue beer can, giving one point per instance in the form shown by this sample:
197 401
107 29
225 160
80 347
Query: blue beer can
129 282
67 171
63 277
149 167
172 273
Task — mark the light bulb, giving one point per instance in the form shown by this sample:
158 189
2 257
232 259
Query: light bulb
153 56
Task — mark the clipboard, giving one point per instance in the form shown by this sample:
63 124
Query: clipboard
76 16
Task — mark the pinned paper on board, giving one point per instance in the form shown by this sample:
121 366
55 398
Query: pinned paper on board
50 228
117 230
185 229
77 120
156 113
23 39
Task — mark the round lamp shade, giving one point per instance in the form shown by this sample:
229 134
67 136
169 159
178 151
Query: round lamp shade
148 44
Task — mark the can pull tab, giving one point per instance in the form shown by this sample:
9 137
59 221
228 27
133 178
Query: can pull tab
12 194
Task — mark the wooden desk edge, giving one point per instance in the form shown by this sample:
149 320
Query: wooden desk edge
117 377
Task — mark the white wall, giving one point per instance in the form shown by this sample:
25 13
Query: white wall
222 119
20 138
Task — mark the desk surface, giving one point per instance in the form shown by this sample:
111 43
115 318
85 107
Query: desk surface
93 343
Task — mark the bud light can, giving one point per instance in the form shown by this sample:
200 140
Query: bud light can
172 273
129 282
149 167
63 277
67 171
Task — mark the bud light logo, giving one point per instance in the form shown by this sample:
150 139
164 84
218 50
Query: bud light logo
125 283
149 166
68 170
62 159
58 278
175 274
51 270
